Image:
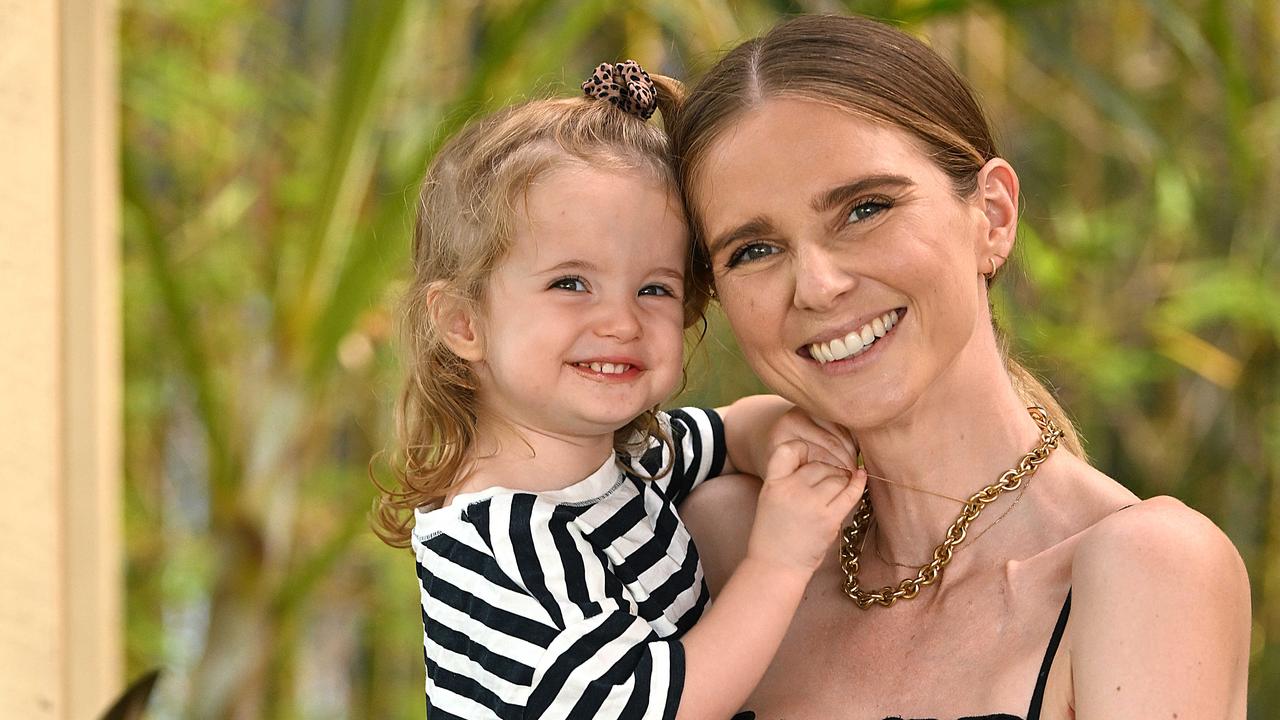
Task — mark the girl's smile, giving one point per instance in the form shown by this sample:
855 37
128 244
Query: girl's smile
611 369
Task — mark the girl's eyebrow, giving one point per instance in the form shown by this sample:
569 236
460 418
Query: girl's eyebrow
571 265
584 266
669 272
839 195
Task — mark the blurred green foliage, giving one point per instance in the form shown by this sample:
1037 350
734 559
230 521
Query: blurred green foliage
271 154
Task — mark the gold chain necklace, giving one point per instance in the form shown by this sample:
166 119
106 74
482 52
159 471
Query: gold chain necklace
1016 499
854 535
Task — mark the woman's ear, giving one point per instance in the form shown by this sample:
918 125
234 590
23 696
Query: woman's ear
998 199
457 321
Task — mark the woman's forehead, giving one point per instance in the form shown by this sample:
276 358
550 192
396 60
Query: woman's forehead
802 150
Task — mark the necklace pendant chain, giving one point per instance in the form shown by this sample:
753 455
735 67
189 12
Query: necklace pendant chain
854 535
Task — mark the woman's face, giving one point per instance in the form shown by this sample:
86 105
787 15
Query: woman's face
846 265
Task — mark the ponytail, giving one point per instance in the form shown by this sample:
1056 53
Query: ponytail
1033 392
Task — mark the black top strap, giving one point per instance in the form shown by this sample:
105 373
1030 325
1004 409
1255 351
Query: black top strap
1037 698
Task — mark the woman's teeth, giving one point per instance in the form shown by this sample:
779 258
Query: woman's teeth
855 342
606 368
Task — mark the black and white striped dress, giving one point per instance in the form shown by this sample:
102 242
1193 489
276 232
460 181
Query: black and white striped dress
569 603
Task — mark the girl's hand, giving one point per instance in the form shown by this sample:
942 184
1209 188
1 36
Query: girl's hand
802 505
827 442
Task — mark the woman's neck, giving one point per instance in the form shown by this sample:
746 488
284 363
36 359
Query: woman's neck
968 429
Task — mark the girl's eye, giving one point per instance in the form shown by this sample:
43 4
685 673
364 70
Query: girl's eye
865 209
750 252
572 284
657 289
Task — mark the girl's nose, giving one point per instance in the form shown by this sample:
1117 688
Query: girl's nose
618 319
820 280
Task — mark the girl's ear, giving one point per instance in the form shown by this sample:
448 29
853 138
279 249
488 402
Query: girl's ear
998 200
457 321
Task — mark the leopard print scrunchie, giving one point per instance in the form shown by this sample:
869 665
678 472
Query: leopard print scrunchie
624 84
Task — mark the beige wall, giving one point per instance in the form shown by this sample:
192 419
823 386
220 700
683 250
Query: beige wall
60 375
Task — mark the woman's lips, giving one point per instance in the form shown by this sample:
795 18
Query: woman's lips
856 341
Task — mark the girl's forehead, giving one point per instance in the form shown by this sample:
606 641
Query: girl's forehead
600 213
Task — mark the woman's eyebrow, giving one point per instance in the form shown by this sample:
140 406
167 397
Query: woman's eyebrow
754 227
842 194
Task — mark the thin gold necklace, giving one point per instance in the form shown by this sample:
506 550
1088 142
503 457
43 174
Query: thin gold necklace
1017 499
855 534
926 491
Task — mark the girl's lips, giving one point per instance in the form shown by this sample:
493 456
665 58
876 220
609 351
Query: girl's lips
608 370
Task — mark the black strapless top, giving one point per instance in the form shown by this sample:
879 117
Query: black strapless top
1037 697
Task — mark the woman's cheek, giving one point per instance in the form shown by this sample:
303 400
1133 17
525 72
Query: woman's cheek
753 331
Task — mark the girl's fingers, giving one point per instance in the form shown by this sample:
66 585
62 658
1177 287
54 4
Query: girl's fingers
816 474
787 458
847 497
825 455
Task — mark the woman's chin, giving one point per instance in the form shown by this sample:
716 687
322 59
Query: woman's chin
860 411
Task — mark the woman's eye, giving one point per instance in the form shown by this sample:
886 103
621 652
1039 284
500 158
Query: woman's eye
657 289
572 284
868 208
750 253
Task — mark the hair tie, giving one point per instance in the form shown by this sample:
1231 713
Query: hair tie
624 84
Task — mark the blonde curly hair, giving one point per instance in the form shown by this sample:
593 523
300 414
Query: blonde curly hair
465 214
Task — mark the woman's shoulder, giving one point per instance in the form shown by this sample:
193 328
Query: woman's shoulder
1157 536
1159 614
1157 558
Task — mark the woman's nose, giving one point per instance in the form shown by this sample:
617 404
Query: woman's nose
618 319
820 279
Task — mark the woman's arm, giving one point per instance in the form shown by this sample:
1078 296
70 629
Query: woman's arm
1160 618
719 517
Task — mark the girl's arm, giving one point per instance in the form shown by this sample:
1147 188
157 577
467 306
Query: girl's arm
802 505
1160 617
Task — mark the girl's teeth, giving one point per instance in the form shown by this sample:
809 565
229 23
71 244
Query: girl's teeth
607 368
855 342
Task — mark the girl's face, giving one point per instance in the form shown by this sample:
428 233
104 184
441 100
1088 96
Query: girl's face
582 322
828 233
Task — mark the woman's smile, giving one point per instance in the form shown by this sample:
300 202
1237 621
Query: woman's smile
841 348
827 228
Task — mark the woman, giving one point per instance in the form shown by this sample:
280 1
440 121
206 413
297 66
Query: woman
852 211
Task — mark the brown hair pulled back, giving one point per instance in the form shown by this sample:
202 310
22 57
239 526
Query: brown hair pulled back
870 70
465 215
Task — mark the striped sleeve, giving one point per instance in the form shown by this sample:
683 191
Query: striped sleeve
697 452
524 620
697 436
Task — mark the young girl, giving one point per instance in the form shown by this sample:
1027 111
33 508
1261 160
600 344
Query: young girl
544 324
